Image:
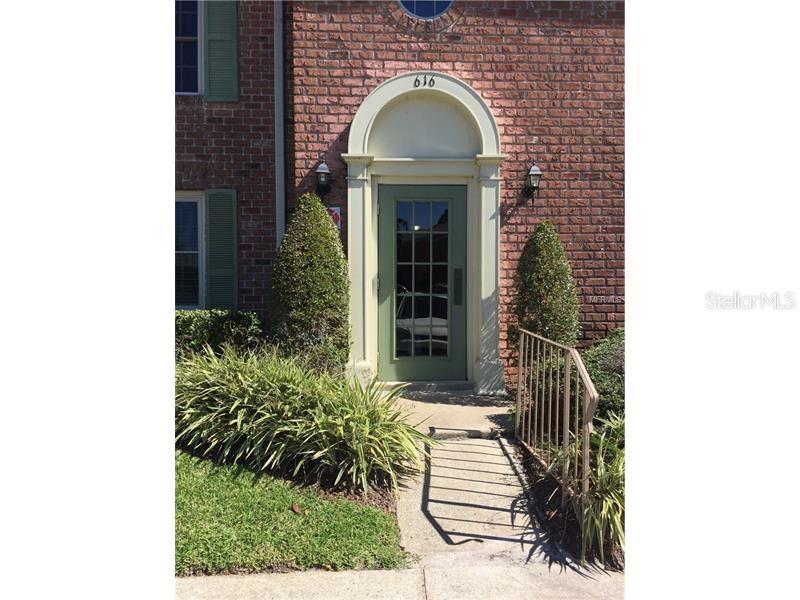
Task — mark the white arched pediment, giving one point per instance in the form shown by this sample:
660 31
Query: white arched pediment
397 104
424 125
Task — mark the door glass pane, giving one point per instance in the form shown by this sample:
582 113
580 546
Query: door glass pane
422 325
439 216
422 247
439 279
439 323
403 325
422 279
422 285
440 247
422 216
422 310
404 285
404 217
404 247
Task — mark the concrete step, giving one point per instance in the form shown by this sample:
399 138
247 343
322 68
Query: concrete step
433 387
449 433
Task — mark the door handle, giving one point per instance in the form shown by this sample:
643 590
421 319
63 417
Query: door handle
458 284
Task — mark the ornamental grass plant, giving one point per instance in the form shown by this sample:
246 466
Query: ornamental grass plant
270 413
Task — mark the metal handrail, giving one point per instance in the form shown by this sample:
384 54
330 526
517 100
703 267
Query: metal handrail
539 422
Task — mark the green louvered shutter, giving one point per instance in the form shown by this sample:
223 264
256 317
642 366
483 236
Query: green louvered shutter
222 289
222 72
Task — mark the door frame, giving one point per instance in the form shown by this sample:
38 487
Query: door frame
481 175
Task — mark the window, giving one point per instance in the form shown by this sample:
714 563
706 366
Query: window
425 9
188 53
189 272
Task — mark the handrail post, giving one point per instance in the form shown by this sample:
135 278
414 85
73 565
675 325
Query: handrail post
565 430
519 383
587 430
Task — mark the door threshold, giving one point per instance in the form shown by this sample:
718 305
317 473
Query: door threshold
438 387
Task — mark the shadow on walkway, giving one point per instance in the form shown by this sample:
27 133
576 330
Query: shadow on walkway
474 492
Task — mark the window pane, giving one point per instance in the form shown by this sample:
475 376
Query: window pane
186 70
186 226
426 9
186 280
188 54
186 18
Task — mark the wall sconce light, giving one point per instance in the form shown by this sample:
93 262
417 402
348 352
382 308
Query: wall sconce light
323 179
532 180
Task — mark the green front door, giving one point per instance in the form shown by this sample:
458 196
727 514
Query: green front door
422 282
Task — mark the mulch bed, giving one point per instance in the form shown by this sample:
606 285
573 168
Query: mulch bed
383 498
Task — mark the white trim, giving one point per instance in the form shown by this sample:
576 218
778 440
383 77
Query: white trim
481 175
199 197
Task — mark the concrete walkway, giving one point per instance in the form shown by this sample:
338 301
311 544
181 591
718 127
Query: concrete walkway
457 414
467 518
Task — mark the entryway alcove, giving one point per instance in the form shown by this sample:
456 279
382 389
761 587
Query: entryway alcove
425 147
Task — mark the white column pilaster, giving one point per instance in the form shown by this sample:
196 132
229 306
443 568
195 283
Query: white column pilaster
359 218
489 376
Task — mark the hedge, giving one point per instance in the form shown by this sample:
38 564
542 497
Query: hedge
194 329
605 361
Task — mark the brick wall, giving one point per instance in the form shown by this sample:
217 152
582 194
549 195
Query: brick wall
231 144
552 74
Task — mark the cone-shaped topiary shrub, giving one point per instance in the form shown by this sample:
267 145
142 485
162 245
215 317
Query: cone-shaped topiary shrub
310 298
546 301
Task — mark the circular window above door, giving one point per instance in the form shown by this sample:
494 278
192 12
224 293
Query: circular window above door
425 9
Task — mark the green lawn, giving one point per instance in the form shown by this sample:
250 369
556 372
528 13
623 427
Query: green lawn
229 520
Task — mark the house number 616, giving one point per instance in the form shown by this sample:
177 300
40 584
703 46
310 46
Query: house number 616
425 81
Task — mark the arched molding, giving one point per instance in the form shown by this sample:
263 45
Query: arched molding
480 173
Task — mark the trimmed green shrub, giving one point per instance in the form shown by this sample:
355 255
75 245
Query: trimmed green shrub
266 411
605 361
310 297
546 302
195 329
